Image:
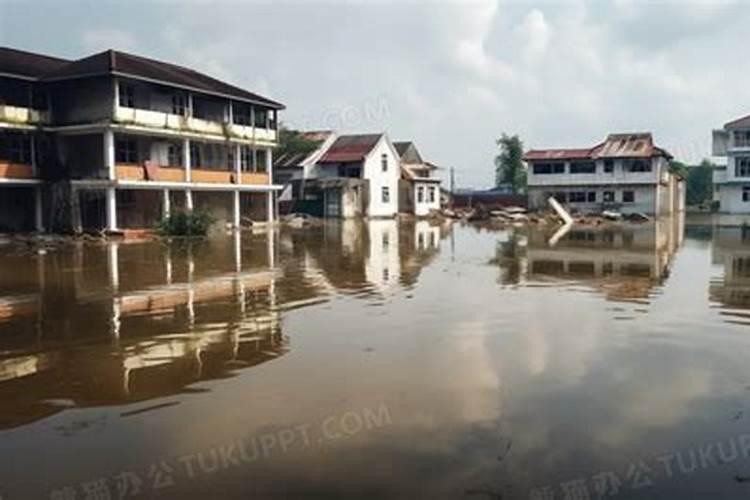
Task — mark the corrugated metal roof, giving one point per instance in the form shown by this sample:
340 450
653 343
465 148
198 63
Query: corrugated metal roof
46 68
350 148
629 145
27 64
739 122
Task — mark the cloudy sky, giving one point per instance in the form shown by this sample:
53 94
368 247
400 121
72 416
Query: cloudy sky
451 76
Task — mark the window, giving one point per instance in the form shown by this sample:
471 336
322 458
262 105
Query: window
577 197
432 191
628 196
386 241
260 165
261 118
609 166
745 193
174 155
19 149
742 166
127 95
608 196
246 158
384 162
126 151
420 194
591 197
386 195
560 197
549 168
742 139
242 114
179 104
637 166
583 167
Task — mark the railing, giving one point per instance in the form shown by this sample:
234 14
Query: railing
16 171
16 114
130 172
179 123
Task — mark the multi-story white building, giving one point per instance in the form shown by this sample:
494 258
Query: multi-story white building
732 182
626 172
116 141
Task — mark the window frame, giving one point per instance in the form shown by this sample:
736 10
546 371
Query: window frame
628 194
385 194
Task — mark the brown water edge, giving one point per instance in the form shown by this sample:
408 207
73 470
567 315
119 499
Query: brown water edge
377 361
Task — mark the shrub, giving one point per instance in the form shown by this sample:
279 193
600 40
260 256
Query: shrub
185 224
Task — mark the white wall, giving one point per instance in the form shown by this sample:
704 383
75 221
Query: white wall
645 198
617 176
423 209
383 264
730 199
379 179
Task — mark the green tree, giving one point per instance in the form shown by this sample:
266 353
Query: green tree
509 166
700 185
292 141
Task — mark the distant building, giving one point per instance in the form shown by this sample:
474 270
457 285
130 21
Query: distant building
732 183
289 166
419 191
116 141
626 172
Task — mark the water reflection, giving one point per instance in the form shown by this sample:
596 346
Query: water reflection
731 290
623 263
122 323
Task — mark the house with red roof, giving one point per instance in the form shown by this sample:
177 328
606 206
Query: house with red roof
357 176
419 191
732 182
626 172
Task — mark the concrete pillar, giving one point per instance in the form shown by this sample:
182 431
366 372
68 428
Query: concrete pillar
238 163
109 154
38 210
236 219
186 160
269 165
237 251
111 209
189 200
269 207
113 264
166 207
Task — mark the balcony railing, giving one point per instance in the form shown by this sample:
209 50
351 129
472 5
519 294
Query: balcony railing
131 172
20 115
16 171
178 123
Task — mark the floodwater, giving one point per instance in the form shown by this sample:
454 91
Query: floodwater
380 361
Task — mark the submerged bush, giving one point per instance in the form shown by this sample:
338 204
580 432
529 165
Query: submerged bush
185 224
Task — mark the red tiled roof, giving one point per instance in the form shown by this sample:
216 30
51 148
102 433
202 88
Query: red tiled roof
739 122
350 148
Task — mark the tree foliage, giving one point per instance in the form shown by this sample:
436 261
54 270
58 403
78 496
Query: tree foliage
698 179
189 224
509 166
293 142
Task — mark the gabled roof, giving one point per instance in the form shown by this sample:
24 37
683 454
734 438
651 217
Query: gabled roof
293 159
350 148
112 62
27 65
739 123
630 145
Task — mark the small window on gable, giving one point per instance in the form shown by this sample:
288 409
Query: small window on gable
384 162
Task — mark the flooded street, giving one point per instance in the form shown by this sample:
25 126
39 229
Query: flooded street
380 360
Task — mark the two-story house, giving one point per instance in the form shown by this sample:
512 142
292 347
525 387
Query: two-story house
121 140
626 172
357 175
419 190
732 183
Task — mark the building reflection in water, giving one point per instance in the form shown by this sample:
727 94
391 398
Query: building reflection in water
123 323
624 263
731 290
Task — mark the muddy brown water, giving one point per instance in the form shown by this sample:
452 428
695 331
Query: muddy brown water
380 361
